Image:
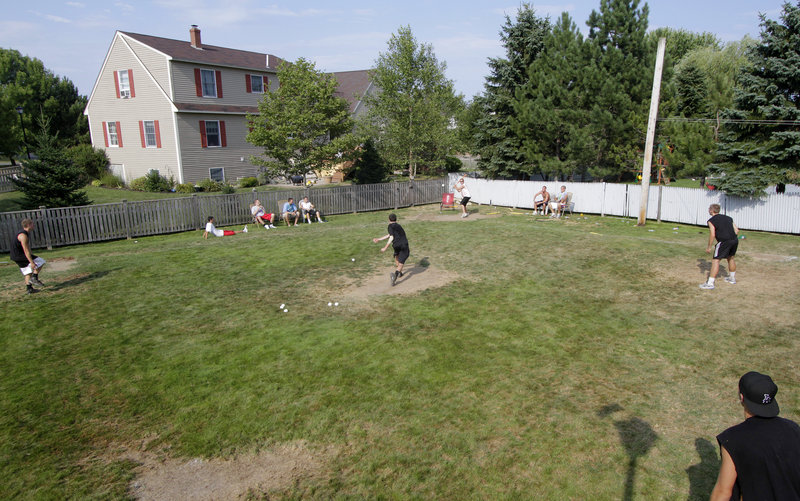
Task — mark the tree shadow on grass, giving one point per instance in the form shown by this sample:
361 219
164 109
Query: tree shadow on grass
79 279
637 437
702 476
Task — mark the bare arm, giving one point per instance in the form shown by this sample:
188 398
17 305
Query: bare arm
735 228
726 479
205 234
712 233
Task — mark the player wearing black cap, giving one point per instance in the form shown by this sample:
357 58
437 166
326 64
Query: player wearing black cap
760 456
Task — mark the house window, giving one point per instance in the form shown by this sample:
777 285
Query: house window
212 133
150 135
112 133
124 84
257 84
209 83
217 174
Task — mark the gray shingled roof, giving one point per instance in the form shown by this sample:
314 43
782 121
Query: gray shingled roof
353 86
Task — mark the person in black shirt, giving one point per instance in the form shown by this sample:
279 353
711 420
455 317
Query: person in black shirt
29 264
760 456
397 238
727 234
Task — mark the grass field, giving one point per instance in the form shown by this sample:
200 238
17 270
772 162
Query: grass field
522 358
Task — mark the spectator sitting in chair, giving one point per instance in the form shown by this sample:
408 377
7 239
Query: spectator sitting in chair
290 210
309 211
260 215
561 201
541 204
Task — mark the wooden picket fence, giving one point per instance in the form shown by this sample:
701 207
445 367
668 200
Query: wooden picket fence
6 176
96 223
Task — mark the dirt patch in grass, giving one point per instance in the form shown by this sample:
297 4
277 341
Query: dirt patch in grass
416 278
455 216
768 257
160 477
60 264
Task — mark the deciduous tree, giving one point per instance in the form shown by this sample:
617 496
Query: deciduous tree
302 125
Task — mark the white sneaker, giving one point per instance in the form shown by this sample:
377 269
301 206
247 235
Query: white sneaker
706 286
266 226
272 226
245 229
730 280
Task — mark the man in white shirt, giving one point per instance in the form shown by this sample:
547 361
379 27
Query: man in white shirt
309 211
462 189
260 215
210 228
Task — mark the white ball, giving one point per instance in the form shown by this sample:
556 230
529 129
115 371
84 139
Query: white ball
330 304
285 310
352 259
336 304
282 305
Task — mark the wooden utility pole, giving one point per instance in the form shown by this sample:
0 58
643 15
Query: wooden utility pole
651 131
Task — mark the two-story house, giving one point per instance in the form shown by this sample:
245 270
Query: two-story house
180 106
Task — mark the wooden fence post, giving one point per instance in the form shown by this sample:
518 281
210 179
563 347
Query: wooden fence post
196 210
43 217
126 219
395 193
353 207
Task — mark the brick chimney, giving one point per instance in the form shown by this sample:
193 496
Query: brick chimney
194 34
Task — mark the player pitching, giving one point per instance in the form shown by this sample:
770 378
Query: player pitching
397 239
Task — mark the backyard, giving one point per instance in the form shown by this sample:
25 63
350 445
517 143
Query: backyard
519 357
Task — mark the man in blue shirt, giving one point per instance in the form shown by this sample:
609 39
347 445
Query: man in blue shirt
290 210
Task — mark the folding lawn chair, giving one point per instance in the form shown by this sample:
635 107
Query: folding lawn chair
448 202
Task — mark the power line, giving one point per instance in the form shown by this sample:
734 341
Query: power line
730 120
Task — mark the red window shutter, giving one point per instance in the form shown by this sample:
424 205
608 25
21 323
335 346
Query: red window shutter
116 83
266 84
141 134
130 82
203 141
105 132
247 84
158 134
219 83
198 82
119 135
223 139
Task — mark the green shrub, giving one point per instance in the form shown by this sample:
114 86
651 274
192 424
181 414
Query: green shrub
209 185
453 164
139 184
109 180
96 183
263 178
248 182
228 189
155 182
185 188
92 161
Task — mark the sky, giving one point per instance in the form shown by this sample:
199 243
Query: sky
73 37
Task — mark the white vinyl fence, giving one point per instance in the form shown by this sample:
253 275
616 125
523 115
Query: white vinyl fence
773 212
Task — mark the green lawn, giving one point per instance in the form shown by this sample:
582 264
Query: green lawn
567 359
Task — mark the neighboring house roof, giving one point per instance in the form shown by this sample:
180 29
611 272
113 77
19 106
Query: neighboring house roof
180 50
353 86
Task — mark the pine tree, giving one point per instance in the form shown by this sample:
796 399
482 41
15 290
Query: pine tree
51 180
369 167
498 145
752 156
550 108
619 77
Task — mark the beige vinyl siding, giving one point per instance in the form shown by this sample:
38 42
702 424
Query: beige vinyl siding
198 160
157 64
148 104
234 90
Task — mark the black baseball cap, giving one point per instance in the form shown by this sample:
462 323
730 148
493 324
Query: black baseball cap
759 392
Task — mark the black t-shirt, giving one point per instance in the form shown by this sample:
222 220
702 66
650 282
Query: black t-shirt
766 453
399 234
723 227
17 253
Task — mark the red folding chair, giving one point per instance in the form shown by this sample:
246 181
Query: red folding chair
448 202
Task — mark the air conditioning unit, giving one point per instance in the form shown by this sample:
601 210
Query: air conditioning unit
124 94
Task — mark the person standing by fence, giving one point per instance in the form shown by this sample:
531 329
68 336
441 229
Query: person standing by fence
29 264
727 234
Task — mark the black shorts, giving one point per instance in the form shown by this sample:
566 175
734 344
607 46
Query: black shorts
401 253
465 200
726 249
